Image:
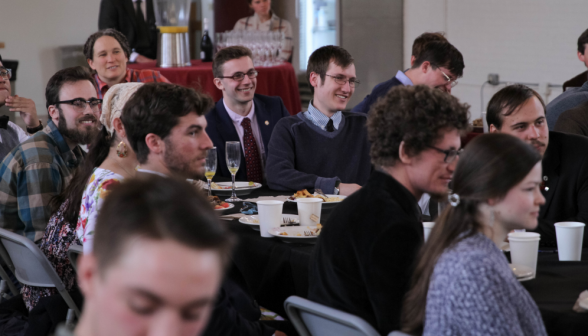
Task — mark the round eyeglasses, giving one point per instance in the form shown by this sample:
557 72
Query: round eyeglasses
449 80
450 155
80 104
341 80
239 76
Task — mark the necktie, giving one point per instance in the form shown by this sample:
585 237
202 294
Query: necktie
139 11
330 127
143 30
252 159
4 121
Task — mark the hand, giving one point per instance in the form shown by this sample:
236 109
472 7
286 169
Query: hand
347 189
279 333
26 107
143 59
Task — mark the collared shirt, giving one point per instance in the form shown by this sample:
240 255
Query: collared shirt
273 24
237 119
320 120
138 76
32 173
401 76
147 171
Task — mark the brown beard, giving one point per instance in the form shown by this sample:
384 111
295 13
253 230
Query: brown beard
178 163
75 135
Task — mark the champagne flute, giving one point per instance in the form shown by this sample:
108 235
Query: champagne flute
233 156
210 167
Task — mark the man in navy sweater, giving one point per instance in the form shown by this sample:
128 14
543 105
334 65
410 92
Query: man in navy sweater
322 148
439 64
241 115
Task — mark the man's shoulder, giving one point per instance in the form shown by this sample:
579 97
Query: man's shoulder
387 84
40 148
569 143
569 99
577 81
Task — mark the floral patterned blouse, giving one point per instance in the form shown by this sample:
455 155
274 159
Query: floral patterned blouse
100 183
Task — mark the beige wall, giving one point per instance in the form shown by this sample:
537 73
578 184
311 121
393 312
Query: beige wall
33 30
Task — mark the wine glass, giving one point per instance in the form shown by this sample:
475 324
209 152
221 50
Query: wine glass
233 153
210 166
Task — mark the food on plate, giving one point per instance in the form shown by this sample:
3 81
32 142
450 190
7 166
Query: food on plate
216 186
308 232
305 194
217 203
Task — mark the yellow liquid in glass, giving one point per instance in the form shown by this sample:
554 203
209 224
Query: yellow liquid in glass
173 29
209 174
234 170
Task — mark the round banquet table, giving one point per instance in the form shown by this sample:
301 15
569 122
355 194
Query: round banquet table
273 270
271 81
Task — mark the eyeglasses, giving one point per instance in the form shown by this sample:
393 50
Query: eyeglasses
6 73
80 104
239 76
450 154
341 80
453 82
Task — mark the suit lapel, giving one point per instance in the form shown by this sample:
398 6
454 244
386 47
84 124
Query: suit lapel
550 176
227 130
263 115
130 8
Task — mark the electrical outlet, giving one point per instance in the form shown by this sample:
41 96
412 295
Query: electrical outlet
493 79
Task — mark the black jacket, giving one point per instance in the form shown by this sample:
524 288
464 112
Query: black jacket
565 175
220 129
363 259
120 15
378 91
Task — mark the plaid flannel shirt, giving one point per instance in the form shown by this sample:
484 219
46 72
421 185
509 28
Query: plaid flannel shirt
32 173
133 76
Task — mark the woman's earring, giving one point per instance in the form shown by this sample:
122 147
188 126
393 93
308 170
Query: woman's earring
121 150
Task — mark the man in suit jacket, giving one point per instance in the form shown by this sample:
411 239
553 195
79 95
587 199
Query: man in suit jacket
136 20
580 79
438 65
574 121
241 115
520 111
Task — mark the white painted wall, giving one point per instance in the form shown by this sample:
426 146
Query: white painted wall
531 41
33 30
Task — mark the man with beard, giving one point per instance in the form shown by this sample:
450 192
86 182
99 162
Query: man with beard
166 128
40 167
520 111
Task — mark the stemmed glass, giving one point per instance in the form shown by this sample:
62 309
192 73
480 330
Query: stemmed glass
233 153
210 167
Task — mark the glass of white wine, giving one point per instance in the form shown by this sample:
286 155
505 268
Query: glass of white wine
210 167
233 156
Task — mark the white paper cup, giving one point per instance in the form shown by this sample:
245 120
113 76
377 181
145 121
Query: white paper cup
524 247
270 215
569 240
428 226
308 208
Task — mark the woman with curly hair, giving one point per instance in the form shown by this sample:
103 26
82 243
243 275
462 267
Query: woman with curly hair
363 260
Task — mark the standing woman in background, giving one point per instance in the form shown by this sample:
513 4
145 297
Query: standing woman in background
264 19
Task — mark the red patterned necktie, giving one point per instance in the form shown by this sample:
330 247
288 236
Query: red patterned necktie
252 159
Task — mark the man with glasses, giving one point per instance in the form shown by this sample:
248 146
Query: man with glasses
438 66
42 166
241 115
363 261
322 148
10 134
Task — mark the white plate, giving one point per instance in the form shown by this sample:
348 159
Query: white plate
254 220
295 234
242 188
328 195
522 272
231 205
584 303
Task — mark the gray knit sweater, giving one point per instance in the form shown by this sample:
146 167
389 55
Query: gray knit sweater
474 292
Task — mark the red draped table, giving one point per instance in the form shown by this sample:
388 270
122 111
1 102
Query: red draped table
274 81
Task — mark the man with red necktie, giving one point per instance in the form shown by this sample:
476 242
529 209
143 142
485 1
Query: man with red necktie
241 115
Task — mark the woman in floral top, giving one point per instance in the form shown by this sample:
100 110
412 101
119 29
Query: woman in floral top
110 160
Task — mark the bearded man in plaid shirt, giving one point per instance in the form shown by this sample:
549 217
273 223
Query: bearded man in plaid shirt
40 167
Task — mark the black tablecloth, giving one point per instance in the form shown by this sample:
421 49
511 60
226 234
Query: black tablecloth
274 270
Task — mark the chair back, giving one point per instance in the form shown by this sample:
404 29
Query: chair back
314 319
73 253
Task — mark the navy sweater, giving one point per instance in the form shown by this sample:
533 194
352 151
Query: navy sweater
303 156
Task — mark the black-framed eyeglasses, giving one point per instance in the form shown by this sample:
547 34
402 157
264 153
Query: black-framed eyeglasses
239 76
450 154
80 104
449 80
341 80
5 73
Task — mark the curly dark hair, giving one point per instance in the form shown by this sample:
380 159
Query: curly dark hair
228 54
155 108
122 40
415 115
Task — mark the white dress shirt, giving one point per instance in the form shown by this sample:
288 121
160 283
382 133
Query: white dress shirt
237 119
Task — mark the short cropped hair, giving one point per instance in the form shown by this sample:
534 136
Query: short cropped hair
441 54
418 115
507 101
120 37
582 41
155 108
419 43
157 208
226 54
67 75
319 61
